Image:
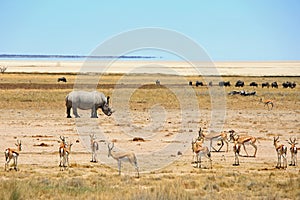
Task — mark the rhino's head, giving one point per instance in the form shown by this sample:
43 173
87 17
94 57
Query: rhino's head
106 109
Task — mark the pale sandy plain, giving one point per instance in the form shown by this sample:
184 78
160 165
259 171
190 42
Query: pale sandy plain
38 123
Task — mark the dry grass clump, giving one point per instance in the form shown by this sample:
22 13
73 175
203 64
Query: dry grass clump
106 185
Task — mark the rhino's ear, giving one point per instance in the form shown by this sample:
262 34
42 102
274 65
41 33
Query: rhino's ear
107 100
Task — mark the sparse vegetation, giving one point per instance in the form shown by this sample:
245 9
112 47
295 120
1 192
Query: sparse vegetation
257 180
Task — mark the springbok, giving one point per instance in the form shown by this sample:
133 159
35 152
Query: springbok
281 152
123 156
63 144
64 152
222 137
267 103
13 154
243 140
94 147
236 150
294 151
199 151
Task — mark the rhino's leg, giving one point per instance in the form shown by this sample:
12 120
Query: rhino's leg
75 111
94 112
69 106
68 112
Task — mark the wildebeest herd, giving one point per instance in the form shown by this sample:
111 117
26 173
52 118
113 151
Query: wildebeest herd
240 83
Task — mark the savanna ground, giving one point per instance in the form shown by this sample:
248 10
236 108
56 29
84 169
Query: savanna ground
33 111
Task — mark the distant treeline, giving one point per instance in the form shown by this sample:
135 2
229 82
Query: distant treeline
28 56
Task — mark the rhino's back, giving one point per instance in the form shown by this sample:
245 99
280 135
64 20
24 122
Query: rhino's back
85 100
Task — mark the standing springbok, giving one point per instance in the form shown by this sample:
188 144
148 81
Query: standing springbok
94 147
64 152
267 103
294 151
243 140
123 156
281 152
13 154
222 137
236 150
63 144
199 151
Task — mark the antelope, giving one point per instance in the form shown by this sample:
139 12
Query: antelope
267 103
13 154
94 147
281 152
62 145
222 137
244 140
294 151
199 150
66 152
236 150
123 156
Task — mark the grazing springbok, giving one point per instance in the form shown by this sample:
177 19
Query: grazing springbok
294 151
220 137
281 152
123 156
94 147
11 153
243 140
199 151
236 150
267 103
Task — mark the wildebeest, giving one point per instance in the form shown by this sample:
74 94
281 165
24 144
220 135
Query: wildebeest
199 83
190 83
210 83
266 84
244 93
253 84
239 83
234 92
224 83
87 100
289 84
274 85
63 79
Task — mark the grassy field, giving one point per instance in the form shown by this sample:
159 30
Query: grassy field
40 94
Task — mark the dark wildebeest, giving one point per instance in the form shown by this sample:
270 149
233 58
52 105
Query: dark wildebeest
199 83
266 84
274 85
210 83
190 83
289 84
239 83
234 92
63 79
224 83
253 84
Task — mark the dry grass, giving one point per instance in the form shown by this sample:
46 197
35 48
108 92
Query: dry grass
177 181
105 184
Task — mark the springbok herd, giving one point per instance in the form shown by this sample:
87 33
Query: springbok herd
198 147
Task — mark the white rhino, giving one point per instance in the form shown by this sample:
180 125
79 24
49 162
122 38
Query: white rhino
87 100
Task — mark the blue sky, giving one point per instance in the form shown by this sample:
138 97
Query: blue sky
228 30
